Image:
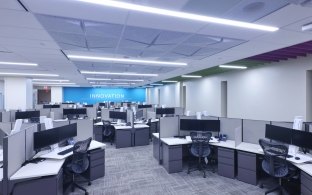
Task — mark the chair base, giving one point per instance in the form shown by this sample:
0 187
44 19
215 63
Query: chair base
201 166
74 185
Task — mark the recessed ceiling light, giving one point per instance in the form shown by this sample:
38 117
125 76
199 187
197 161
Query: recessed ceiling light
169 81
125 60
102 83
118 73
48 83
232 67
191 76
98 79
107 85
177 14
132 80
28 74
147 86
156 84
19 63
51 80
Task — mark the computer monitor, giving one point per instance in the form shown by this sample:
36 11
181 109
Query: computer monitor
199 125
27 114
277 133
67 131
139 114
51 106
118 115
162 111
145 106
102 104
73 111
45 138
302 139
88 105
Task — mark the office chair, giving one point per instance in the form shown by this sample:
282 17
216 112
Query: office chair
108 131
200 148
79 163
275 164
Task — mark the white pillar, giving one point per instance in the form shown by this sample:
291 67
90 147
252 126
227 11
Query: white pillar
56 94
18 93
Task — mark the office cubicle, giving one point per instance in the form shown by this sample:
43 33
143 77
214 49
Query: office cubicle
230 127
84 129
253 130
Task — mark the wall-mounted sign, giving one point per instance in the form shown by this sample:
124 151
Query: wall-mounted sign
93 95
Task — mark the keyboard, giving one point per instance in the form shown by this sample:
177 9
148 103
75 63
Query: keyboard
66 151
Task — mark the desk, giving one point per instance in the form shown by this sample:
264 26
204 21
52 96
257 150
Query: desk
47 177
126 136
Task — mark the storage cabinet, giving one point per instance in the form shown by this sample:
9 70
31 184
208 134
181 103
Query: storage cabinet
306 184
172 158
226 162
247 167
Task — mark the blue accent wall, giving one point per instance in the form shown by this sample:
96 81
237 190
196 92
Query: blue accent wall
94 95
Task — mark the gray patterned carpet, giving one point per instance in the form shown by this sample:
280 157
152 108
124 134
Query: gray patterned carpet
134 171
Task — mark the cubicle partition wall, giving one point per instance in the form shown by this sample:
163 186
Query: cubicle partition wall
283 124
6 116
91 112
56 113
6 127
105 113
60 123
29 143
84 129
230 127
209 118
178 111
150 115
45 112
12 115
169 127
253 130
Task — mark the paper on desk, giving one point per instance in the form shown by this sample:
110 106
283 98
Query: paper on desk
188 138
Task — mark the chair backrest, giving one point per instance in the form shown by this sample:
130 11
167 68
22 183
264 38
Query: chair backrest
200 143
48 123
274 156
80 161
108 130
17 126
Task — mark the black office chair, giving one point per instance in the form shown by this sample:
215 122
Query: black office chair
79 163
200 148
108 132
275 163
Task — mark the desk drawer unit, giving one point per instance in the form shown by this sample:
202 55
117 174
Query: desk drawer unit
306 184
226 162
141 137
97 164
98 133
247 167
172 158
123 138
156 148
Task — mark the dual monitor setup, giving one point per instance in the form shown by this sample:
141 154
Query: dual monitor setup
34 116
46 138
51 106
200 125
290 136
162 111
74 113
118 115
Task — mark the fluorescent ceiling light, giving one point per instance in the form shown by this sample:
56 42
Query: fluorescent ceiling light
191 76
156 84
111 83
107 85
177 14
118 73
132 80
147 86
51 80
232 67
99 79
169 81
125 60
46 83
19 63
28 74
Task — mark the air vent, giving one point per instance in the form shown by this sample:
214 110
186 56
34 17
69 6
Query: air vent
305 3
307 27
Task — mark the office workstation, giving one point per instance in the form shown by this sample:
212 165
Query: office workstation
155 97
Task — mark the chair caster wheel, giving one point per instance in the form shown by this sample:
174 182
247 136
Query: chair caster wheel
261 186
86 193
89 183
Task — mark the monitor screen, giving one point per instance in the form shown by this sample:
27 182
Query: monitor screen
118 115
199 125
51 106
67 131
302 139
165 111
45 138
139 114
27 114
88 105
101 104
73 111
281 134
145 106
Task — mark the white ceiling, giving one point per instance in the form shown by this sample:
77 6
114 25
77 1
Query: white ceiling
77 28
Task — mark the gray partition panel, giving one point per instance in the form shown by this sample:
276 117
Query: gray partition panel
105 114
283 124
228 126
210 118
6 127
179 111
84 129
169 127
91 112
45 112
253 130
2 135
39 106
6 116
60 123
187 117
12 115
29 143
14 152
151 115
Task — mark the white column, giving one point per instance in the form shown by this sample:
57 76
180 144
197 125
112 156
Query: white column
18 93
56 94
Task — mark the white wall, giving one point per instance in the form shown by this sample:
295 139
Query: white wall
169 95
56 94
276 91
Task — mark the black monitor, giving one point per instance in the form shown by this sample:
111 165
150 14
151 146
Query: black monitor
302 139
45 138
277 133
199 125
51 106
88 105
101 104
27 114
139 114
118 115
145 106
162 111
111 103
67 131
74 111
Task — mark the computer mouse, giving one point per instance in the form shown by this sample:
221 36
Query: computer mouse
297 158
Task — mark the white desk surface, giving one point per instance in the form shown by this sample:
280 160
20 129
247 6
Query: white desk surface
44 168
144 122
225 144
156 135
140 126
181 141
53 154
249 147
60 120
